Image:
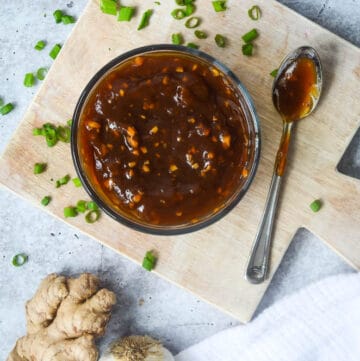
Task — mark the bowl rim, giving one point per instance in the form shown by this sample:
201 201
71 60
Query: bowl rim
154 229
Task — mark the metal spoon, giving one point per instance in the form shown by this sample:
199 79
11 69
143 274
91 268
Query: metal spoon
283 94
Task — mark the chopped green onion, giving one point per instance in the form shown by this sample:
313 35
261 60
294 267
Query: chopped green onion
187 2
92 206
58 14
62 181
177 39
29 80
37 131
46 200
6 109
180 2
70 212
63 133
81 206
316 205
192 46
144 22
178 14
125 13
254 13
40 45
108 7
69 122
192 22
274 73
247 49
149 261
219 5
68 19
190 9
250 36
41 73
55 51
200 34
220 40
19 259
39 168
92 216
157 2
77 182
50 133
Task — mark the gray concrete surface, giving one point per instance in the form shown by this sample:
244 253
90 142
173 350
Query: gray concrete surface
146 304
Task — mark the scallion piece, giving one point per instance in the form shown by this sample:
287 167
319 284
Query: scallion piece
149 261
29 80
192 46
220 40
58 14
200 34
189 9
77 182
50 133
274 73
46 200
92 206
219 5
250 36
81 206
41 73
6 108
39 168
37 131
19 259
63 133
62 181
177 39
145 19
187 2
70 212
247 49
178 14
69 122
254 12
55 51
68 19
157 2
316 205
108 7
125 13
193 22
40 45
92 216
180 2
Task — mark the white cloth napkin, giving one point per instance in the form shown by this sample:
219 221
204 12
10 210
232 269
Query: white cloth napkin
320 322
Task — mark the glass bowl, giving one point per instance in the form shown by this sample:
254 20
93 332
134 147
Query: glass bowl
127 216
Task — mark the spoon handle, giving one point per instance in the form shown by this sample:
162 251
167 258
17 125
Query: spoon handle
258 265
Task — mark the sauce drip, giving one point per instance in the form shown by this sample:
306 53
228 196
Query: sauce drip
295 89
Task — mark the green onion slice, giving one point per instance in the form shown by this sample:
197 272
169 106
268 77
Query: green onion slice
250 36
254 12
149 261
39 168
46 200
316 205
177 39
219 5
200 34
68 19
77 182
157 2
144 22
125 13
6 109
81 206
193 22
247 49
55 51
70 212
63 133
180 2
274 73
40 45
220 40
192 46
62 181
108 7
29 80
92 206
178 14
69 122
41 73
19 259
92 216
190 9
58 14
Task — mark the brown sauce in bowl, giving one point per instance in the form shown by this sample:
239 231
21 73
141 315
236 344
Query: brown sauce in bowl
164 140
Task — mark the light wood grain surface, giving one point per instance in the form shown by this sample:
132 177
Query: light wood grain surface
211 262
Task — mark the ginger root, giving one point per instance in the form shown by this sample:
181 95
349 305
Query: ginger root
63 318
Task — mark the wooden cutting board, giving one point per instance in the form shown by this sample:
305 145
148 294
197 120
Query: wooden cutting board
211 262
